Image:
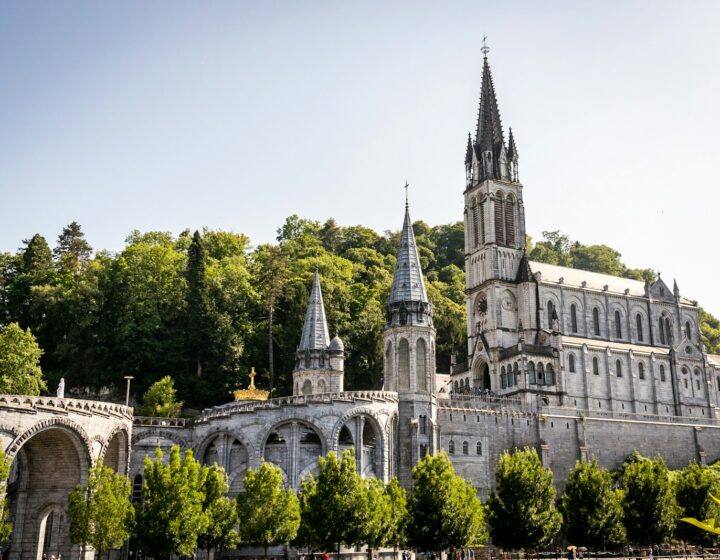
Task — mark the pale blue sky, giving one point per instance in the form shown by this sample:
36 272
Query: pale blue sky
233 115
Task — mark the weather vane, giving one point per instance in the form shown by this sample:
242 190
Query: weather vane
485 49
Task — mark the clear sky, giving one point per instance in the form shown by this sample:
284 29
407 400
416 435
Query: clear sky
233 115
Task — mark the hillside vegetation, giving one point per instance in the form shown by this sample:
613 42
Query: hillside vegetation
199 307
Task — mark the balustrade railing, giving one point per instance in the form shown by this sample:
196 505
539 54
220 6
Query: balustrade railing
67 404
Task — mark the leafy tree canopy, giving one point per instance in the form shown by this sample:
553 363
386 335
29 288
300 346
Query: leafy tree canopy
159 400
20 372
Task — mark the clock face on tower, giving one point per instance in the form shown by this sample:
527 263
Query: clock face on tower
481 305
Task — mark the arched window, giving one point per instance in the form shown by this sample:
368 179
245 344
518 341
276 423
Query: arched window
550 310
662 331
639 325
478 448
618 368
571 363
662 373
668 330
465 447
596 366
456 386
403 365
573 318
503 378
596 321
137 489
550 375
688 333
475 225
516 374
499 221
531 373
541 374
421 365
618 325
510 221
641 370
451 447
482 221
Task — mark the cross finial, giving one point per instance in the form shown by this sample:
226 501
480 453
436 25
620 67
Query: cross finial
406 193
252 378
485 49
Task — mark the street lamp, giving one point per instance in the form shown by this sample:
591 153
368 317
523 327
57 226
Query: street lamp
127 392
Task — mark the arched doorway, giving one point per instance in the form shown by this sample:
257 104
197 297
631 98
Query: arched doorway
116 452
228 452
481 376
45 469
362 434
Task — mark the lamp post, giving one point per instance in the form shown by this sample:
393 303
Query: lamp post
127 392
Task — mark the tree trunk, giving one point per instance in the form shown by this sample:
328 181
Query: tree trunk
266 547
338 556
271 362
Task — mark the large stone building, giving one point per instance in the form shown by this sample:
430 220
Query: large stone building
575 364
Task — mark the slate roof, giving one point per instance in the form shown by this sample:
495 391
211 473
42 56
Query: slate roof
315 334
408 284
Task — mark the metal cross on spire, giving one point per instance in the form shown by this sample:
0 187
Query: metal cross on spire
485 49
406 193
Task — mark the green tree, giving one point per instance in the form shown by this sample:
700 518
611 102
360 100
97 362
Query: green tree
5 525
397 519
333 504
20 372
159 399
269 512
591 508
220 511
521 509
172 516
444 510
306 536
649 506
710 331
693 487
72 250
101 515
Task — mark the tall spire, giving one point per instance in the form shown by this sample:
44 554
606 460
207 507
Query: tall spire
512 149
315 334
408 284
489 134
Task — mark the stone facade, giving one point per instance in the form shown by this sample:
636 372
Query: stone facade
52 442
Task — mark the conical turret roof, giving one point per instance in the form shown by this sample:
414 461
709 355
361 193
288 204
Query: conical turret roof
408 284
315 334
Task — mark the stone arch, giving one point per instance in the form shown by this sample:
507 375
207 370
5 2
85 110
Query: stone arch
390 378
374 456
115 452
421 365
321 386
231 451
166 434
403 382
49 459
279 441
307 388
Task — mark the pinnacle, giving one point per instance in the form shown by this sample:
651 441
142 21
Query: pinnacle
315 331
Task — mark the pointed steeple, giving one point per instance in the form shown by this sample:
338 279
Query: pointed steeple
469 151
315 334
524 273
676 290
512 149
408 284
489 127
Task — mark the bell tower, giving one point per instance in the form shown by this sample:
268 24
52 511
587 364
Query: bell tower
494 226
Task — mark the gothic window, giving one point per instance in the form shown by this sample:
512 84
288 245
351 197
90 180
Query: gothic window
423 451
423 424
541 374
482 220
403 365
465 447
686 383
596 366
503 378
550 375
662 373
516 374
697 383
478 448
550 309
596 321
475 224
687 330
531 373
639 324
421 365
618 325
641 370
456 386
668 330
573 318
662 331
510 221
137 488
499 221
618 368
571 363
451 447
